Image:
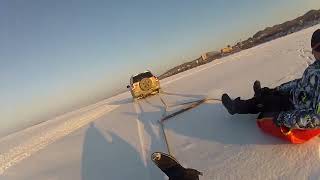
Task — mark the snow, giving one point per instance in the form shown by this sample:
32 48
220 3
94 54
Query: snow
114 138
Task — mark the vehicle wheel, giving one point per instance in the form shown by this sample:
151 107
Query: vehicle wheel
145 84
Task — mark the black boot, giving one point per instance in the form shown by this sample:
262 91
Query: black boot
239 106
250 106
265 91
257 88
228 103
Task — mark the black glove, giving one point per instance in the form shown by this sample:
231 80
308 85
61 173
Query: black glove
187 174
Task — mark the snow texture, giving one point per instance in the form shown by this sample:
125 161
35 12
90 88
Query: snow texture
114 138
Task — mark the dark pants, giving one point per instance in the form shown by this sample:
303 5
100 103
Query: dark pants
266 102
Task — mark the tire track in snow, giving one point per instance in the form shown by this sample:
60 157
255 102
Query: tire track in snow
148 134
36 143
140 126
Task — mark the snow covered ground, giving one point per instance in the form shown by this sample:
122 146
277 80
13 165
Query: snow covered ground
113 139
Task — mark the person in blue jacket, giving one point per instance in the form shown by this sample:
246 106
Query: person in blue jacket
297 102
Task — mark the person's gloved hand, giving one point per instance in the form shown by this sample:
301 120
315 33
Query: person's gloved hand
192 174
187 174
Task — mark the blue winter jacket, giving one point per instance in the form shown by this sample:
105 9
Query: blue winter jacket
305 96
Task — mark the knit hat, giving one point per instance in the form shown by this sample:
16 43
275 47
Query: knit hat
315 41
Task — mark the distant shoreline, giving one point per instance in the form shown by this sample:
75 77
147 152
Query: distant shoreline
309 19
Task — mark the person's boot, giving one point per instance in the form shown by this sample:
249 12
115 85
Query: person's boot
257 88
259 92
228 104
240 106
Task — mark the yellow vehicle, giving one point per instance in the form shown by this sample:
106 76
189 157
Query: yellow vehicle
143 85
226 50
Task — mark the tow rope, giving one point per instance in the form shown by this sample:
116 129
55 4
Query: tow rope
166 116
194 104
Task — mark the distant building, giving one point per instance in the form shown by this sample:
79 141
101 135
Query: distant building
227 49
207 55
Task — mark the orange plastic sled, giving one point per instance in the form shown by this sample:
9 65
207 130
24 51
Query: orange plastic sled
294 136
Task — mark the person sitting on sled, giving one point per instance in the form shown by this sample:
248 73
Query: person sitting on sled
297 102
